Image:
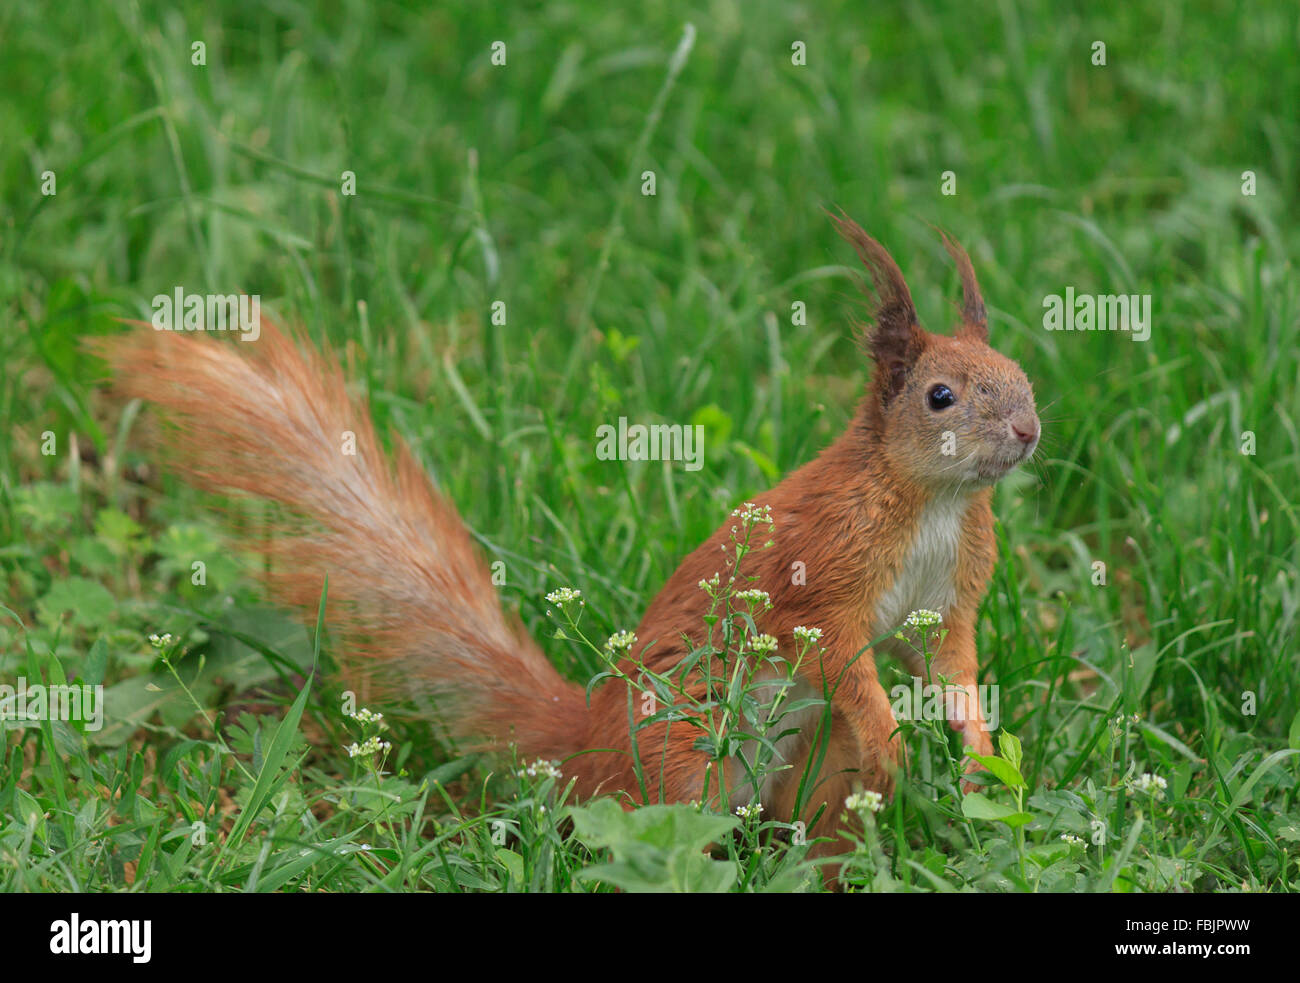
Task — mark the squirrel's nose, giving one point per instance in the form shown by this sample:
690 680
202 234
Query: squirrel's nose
1026 431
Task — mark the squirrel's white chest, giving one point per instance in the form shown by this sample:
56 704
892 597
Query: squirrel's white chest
927 577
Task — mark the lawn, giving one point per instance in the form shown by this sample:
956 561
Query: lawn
455 198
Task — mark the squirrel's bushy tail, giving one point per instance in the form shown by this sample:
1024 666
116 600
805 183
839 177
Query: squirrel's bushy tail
409 594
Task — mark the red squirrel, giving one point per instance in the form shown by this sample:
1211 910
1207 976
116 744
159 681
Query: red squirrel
894 516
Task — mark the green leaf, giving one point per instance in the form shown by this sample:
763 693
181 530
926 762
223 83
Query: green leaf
1144 658
1007 773
133 701
47 508
29 811
94 556
92 671
683 872
1017 819
656 848
89 602
1290 832
619 345
514 865
606 824
1009 745
976 805
119 532
717 423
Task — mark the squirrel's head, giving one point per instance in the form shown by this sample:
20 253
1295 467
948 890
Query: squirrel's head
950 411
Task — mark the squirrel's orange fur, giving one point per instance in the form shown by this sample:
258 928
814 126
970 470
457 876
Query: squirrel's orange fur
894 513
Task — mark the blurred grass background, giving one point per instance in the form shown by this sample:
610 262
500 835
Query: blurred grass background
479 183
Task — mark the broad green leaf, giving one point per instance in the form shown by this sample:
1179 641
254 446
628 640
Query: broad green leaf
514 865
29 811
976 805
90 603
1005 772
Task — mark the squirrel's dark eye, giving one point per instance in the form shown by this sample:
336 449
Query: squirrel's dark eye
940 397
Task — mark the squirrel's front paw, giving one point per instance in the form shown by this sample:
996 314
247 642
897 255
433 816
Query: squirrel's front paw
964 717
979 742
975 735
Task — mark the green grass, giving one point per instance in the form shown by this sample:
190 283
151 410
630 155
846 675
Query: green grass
479 183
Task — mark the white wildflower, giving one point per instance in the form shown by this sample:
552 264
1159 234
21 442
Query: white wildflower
620 643
371 745
865 801
565 595
752 513
923 618
1149 784
540 768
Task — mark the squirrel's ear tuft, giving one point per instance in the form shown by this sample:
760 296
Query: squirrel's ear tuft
895 339
975 322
